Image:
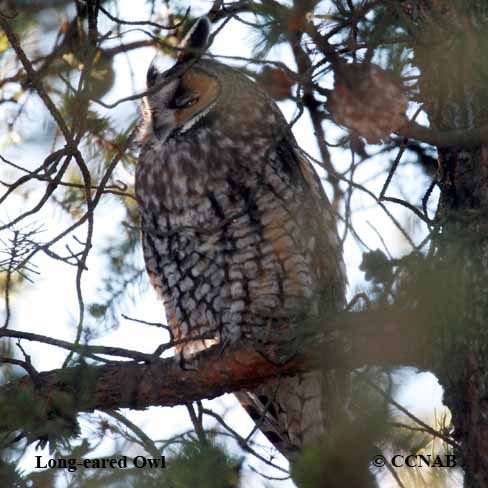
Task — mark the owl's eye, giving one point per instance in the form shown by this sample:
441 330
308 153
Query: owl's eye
184 99
186 102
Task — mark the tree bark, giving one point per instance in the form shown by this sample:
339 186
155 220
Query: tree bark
452 63
384 338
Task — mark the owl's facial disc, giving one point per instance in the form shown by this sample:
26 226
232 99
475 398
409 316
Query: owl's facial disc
186 97
194 98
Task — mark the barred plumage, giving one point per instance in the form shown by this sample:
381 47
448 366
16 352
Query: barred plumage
238 236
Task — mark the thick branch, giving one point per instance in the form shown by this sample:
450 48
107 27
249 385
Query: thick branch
359 338
467 138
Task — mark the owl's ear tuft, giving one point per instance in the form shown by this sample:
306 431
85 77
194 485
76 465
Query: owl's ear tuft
196 40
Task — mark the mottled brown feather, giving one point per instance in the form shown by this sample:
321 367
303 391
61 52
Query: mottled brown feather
239 237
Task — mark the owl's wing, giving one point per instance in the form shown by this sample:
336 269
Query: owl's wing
321 218
291 411
328 227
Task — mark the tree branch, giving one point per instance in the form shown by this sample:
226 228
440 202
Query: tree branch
466 138
385 338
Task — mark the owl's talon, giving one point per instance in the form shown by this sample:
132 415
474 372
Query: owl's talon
184 361
223 345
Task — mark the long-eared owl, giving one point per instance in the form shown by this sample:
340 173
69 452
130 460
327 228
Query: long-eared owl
238 236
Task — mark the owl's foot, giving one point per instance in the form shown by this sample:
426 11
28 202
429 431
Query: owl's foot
187 362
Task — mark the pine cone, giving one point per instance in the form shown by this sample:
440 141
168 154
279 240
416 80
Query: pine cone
369 101
276 82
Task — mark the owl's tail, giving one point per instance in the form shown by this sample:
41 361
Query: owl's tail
289 411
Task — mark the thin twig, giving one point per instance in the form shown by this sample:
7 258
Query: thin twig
402 409
146 22
147 442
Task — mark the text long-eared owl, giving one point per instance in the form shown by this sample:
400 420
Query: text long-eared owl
238 236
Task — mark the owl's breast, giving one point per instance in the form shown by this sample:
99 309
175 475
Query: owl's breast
175 177
231 235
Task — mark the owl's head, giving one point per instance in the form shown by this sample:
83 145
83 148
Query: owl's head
197 89
181 96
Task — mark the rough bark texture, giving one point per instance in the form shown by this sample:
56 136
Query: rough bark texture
452 60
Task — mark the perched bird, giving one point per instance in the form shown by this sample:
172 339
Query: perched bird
238 236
